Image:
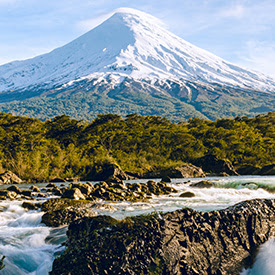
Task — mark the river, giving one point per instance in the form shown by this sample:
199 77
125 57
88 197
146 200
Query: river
30 247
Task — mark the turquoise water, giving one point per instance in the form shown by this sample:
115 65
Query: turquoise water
30 247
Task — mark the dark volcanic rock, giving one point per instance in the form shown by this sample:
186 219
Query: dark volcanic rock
180 242
203 184
9 178
248 170
187 195
73 193
184 171
107 171
166 179
14 188
211 164
30 205
63 211
253 170
267 170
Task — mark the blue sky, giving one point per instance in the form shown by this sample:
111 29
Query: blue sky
240 31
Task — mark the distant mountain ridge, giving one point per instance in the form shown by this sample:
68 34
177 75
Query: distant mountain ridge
131 56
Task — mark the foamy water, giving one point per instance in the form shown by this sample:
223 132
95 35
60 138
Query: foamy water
23 240
30 247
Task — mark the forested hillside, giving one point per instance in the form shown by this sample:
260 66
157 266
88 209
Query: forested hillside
64 147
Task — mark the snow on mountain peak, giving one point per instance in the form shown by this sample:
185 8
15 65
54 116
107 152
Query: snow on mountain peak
129 43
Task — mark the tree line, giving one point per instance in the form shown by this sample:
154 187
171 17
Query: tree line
65 147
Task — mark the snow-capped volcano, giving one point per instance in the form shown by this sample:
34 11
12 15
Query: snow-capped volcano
129 43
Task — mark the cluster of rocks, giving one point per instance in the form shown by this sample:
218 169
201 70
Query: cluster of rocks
14 192
82 199
180 242
117 191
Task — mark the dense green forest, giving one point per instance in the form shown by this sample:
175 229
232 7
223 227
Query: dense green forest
65 147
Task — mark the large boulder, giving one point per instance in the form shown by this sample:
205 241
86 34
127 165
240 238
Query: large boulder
107 171
183 171
203 184
213 165
73 193
267 170
64 211
9 177
180 242
249 170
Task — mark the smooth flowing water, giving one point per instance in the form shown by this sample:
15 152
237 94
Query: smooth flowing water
30 247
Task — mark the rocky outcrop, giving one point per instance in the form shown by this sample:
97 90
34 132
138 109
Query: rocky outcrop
184 171
213 165
203 184
107 171
79 200
266 170
63 211
179 242
248 170
9 177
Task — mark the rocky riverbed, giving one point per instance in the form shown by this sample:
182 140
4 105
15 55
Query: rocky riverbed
180 242
36 216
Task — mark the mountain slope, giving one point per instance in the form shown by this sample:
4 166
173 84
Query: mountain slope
131 51
129 43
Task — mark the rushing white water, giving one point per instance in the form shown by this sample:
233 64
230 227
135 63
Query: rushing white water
30 247
265 261
25 241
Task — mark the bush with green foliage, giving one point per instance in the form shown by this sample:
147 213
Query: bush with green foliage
65 147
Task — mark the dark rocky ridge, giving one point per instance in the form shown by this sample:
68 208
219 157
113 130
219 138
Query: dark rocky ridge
180 242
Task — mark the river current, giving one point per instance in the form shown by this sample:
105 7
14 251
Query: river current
30 247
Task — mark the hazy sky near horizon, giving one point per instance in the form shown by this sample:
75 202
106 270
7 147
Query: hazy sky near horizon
240 31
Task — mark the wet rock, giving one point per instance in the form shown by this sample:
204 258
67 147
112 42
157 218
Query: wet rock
85 188
8 194
30 205
213 165
248 170
203 184
14 188
180 242
63 211
9 177
42 195
107 171
187 194
57 192
73 193
26 193
267 170
51 185
166 179
34 188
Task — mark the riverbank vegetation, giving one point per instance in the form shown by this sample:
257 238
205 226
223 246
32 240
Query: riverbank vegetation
64 147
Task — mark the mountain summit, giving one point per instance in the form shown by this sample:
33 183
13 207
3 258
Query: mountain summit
131 63
129 43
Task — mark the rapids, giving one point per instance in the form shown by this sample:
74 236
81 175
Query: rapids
30 247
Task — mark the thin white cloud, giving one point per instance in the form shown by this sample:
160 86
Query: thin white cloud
236 11
260 57
88 24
